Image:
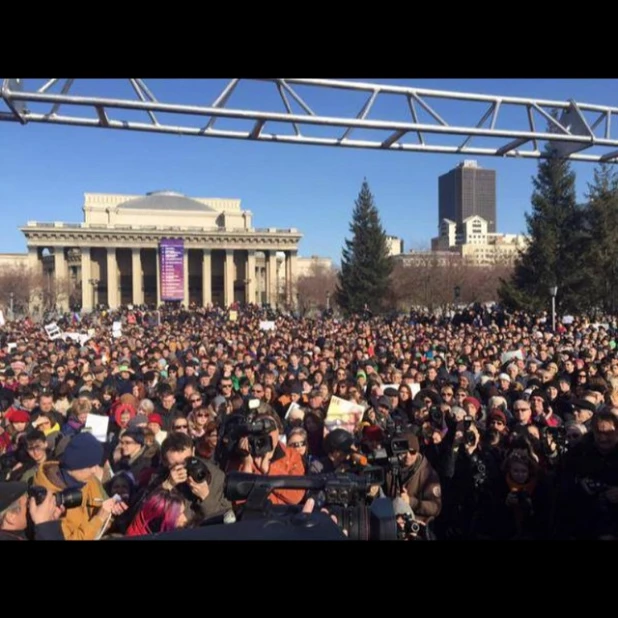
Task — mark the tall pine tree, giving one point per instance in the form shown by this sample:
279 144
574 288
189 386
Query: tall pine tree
364 279
601 255
556 240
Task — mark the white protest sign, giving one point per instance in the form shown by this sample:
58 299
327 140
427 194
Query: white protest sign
508 356
343 414
81 338
97 426
293 406
267 325
53 331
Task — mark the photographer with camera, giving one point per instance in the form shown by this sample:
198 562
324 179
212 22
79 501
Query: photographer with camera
588 495
199 481
417 482
265 454
339 448
17 507
76 481
468 491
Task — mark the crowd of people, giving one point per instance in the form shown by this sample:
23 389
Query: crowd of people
481 425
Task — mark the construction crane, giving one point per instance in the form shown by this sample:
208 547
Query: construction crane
569 127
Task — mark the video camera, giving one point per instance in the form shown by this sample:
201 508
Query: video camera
257 430
342 495
388 454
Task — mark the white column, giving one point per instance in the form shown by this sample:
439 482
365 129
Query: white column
251 275
158 260
207 278
228 278
87 289
35 266
34 262
290 274
61 278
271 278
112 278
137 276
185 267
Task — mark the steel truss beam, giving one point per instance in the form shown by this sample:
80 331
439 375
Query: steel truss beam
572 127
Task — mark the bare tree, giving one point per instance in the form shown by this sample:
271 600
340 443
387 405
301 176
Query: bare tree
437 280
30 292
316 288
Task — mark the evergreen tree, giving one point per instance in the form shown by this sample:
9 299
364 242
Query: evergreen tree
364 278
601 253
556 238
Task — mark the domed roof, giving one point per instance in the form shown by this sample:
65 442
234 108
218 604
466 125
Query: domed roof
165 200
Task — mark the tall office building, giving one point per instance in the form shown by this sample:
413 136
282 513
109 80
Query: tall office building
468 190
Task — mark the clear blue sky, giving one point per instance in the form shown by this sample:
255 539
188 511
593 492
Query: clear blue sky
45 170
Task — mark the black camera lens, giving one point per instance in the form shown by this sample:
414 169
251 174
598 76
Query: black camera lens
197 470
38 493
69 498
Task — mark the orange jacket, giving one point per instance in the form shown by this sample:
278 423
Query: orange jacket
286 462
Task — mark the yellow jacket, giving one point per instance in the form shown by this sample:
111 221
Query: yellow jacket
80 523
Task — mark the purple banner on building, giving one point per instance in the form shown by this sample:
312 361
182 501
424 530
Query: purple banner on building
172 269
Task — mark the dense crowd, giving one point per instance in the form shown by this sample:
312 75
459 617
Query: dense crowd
480 425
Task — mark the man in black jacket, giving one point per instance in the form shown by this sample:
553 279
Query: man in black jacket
588 495
15 505
178 468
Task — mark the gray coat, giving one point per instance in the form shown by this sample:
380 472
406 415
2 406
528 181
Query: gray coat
216 504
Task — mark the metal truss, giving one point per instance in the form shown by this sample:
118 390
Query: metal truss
504 125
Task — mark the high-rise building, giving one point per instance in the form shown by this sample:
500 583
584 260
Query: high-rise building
466 191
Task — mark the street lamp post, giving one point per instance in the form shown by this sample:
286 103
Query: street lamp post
553 291
327 301
457 293
12 298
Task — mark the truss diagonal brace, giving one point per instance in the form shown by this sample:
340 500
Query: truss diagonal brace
573 128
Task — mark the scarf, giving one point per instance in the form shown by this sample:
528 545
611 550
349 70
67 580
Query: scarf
69 481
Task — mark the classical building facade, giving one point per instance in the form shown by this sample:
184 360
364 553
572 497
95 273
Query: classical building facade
147 249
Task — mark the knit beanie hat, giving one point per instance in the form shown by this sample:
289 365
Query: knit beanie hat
136 434
83 451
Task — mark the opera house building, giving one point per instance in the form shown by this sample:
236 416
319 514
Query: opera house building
165 246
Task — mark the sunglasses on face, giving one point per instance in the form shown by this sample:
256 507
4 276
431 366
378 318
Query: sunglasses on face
297 444
181 426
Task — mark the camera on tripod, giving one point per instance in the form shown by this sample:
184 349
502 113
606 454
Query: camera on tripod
388 454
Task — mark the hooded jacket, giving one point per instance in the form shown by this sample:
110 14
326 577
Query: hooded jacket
82 522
